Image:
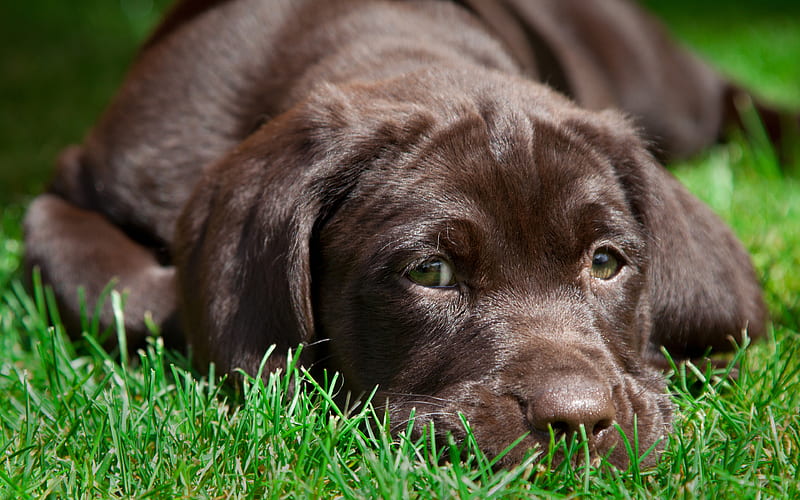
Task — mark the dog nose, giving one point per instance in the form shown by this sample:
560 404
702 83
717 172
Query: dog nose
568 404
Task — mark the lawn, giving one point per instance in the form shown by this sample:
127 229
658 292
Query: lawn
79 422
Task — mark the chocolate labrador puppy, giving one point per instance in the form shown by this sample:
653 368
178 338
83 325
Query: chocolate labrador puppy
435 197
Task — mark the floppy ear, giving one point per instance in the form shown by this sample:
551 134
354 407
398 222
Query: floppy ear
244 240
703 290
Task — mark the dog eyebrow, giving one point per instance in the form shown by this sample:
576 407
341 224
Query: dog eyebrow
603 220
432 234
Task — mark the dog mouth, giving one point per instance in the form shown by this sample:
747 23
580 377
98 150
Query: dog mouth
508 428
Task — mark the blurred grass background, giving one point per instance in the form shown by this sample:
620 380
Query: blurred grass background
60 62
756 43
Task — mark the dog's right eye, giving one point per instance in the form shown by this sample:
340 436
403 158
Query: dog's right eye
435 272
605 264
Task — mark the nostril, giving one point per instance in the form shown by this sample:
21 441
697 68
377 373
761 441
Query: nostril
601 426
559 428
567 428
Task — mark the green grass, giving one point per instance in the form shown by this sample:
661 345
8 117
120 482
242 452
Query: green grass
79 422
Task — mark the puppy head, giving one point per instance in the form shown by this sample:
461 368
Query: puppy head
477 248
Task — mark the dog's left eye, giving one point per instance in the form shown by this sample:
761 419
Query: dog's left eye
605 264
434 272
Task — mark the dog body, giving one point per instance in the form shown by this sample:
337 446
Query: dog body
390 177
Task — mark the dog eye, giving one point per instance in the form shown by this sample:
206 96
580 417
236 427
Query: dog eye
605 264
434 272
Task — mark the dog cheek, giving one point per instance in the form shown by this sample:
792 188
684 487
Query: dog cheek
371 328
622 315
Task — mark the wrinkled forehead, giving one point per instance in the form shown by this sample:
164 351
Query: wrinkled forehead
521 167
508 178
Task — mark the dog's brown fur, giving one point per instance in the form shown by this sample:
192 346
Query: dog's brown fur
275 172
